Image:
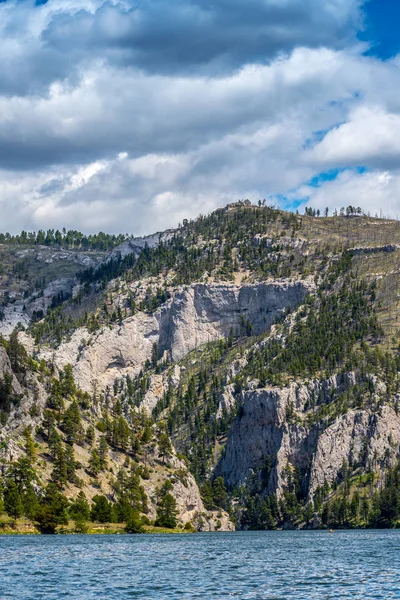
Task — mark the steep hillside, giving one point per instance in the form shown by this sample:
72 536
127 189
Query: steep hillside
264 345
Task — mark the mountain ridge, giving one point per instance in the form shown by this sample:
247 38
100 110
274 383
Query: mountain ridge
263 344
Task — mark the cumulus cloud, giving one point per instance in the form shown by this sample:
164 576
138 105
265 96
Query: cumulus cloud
377 192
371 137
182 36
60 39
135 115
112 111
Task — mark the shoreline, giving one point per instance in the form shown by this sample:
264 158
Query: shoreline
26 527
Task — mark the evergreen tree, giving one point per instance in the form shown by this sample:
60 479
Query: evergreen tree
147 433
17 353
166 507
1 498
53 511
59 474
90 434
12 500
134 523
94 462
101 510
30 502
29 445
48 423
71 423
54 442
164 446
219 492
103 453
207 495
67 382
80 508
71 463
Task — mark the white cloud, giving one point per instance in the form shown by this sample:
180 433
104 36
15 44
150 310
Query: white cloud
90 140
371 137
376 192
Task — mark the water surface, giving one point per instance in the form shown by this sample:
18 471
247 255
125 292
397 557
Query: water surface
243 565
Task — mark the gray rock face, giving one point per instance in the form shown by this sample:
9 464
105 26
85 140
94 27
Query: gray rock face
263 430
202 313
5 369
356 437
136 245
64 286
193 316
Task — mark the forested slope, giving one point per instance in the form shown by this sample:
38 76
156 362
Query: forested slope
247 362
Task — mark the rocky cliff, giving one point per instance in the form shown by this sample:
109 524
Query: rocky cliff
195 315
275 423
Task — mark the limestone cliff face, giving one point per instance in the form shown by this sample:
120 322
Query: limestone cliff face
136 245
357 437
195 315
263 430
202 313
5 369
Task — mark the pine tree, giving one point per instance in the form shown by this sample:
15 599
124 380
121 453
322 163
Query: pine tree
135 445
80 507
48 422
134 523
103 453
16 353
55 399
54 442
12 500
29 445
68 382
71 423
59 474
94 462
167 512
1 498
101 510
147 433
219 492
71 464
53 511
30 502
207 495
90 434
166 507
164 446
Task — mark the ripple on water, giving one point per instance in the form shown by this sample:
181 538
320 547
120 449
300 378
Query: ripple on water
246 565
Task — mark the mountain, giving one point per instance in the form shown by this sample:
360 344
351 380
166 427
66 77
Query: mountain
241 370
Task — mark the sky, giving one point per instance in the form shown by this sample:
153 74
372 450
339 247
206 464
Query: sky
131 115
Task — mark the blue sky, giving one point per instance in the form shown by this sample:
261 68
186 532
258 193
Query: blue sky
130 115
382 18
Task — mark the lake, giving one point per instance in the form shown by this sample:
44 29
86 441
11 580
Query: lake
257 565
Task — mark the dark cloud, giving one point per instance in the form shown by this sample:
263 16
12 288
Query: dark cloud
188 36
116 111
55 41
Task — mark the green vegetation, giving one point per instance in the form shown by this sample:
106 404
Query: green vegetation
64 239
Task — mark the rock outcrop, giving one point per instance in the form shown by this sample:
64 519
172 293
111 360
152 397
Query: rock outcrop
5 369
195 315
136 245
264 430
